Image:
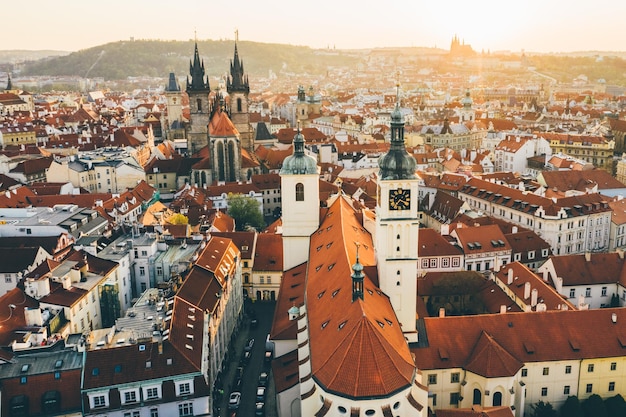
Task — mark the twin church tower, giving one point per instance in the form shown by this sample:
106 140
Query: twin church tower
214 122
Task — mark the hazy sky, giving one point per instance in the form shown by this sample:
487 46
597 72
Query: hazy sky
532 25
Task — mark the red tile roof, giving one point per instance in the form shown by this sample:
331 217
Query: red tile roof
291 293
601 268
221 125
132 361
13 318
357 348
269 253
491 360
573 335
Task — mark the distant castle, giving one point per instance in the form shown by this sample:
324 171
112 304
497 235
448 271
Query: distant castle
459 48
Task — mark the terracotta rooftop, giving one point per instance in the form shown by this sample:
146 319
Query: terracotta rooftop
357 347
573 335
127 364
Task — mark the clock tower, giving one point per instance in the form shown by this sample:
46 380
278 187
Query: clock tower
397 225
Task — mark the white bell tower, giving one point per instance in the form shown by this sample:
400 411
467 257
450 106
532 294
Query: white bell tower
397 225
300 200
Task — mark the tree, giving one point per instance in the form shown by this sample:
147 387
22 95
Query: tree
246 211
179 219
571 407
615 406
594 406
541 409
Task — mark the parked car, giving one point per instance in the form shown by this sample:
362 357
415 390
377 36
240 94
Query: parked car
260 394
254 323
249 345
245 357
234 400
263 379
238 383
259 409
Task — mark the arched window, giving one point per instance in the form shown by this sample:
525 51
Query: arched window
239 106
221 169
299 192
497 399
477 397
232 172
199 104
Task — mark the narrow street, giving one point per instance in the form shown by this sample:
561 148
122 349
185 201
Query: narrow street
263 311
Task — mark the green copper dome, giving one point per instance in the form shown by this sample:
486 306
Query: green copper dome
397 164
299 162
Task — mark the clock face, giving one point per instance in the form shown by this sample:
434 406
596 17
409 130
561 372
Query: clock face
399 199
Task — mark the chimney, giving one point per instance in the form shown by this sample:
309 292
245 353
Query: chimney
509 279
533 297
514 229
588 256
442 312
160 346
545 275
620 252
502 309
526 290
614 318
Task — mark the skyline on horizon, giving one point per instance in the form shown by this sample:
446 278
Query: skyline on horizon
486 25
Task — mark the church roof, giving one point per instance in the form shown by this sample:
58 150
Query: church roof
221 125
357 347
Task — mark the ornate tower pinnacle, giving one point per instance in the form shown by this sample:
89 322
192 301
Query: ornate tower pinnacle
199 82
397 163
237 81
357 277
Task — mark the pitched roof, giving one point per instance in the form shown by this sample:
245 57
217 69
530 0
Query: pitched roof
579 180
573 335
131 362
221 125
291 294
491 360
432 243
13 318
357 347
601 268
269 253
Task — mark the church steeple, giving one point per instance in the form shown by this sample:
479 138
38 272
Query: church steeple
397 164
199 82
172 84
238 88
9 83
237 81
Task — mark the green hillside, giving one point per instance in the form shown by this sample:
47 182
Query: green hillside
119 60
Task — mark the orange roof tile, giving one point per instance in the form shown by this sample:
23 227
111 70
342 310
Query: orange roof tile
357 348
491 360
221 125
